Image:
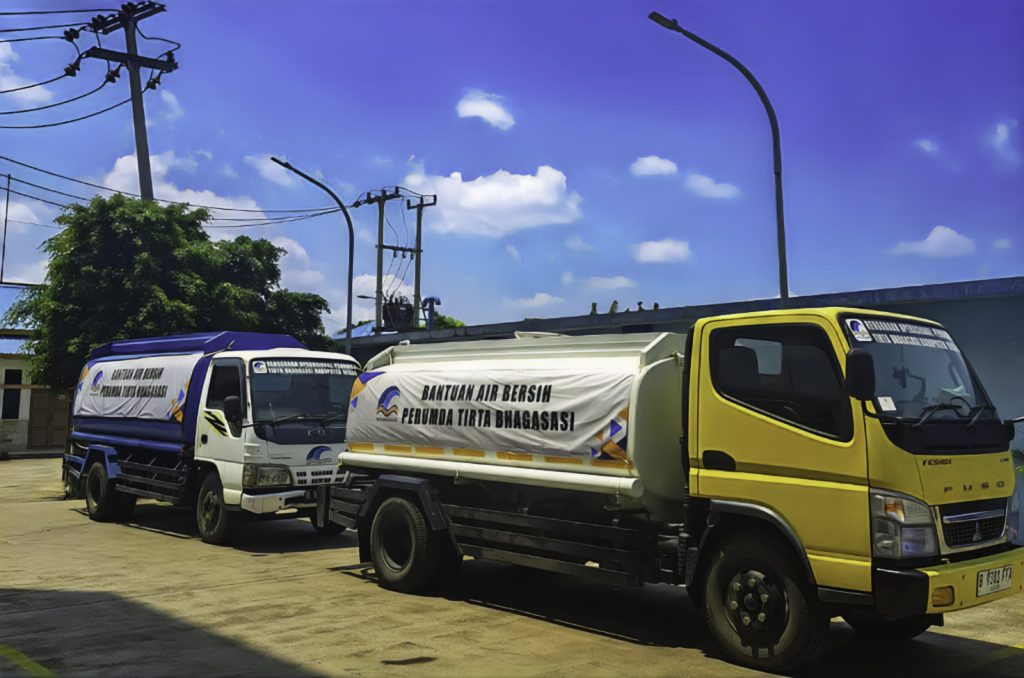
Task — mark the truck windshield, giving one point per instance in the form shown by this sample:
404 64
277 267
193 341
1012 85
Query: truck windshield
301 390
919 371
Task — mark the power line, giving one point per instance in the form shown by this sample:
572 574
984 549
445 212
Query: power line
36 223
41 28
51 190
68 122
177 45
275 222
41 37
36 197
56 11
103 84
170 202
35 84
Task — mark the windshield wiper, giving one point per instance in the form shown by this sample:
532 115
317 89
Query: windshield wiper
334 417
981 408
291 417
928 411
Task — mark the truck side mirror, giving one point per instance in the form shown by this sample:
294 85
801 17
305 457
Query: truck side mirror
233 409
860 374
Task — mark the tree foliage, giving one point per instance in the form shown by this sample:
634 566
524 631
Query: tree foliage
441 321
125 268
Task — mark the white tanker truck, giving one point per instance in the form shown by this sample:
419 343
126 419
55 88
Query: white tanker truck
779 465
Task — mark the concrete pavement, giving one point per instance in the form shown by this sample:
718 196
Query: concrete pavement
148 598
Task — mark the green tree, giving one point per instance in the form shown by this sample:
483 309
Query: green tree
125 268
441 321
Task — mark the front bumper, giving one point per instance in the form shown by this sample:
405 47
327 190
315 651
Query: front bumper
277 501
904 593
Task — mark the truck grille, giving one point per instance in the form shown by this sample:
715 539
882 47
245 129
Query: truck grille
314 477
973 523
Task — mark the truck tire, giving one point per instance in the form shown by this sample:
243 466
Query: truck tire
888 631
100 496
125 507
212 516
404 551
759 606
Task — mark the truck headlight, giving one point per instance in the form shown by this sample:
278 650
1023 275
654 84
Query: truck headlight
259 475
901 527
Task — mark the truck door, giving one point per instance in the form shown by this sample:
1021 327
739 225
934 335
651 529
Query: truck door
777 430
218 439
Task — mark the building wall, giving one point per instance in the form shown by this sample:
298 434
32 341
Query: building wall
14 432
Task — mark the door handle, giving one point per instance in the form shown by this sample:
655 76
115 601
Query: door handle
717 460
203 439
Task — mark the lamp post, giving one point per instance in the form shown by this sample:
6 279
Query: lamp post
351 244
673 25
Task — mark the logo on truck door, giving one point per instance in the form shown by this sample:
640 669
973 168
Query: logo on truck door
387 406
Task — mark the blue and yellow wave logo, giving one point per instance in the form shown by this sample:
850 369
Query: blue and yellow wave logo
315 455
97 382
386 405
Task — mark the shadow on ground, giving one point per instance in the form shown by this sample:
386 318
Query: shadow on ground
101 633
258 536
662 616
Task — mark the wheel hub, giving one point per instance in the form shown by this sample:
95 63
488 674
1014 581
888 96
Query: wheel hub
756 608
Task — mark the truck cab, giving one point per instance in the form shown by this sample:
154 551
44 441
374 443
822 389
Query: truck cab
230 423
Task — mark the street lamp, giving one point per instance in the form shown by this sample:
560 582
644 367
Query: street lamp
673 25
351 244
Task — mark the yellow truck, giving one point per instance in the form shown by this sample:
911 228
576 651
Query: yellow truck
785 467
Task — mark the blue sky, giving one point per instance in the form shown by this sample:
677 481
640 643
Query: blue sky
580 152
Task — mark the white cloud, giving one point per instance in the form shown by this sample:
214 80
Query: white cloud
125 177
941 242
610 283
297 271
229 171
513 252
539 300
499 204
927 146
652 165
487 107
567 278
21 216
203 153
578 244
706 187
663 251
1001 140
33 273
11 80
270 170
172 107
1001 244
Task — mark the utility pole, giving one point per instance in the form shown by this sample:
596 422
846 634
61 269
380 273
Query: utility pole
7 208
381 201
127 19
418 250
773 121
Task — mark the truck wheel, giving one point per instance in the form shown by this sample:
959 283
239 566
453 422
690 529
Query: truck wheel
891 631
405 552
212 517
125 507
758 606
100 496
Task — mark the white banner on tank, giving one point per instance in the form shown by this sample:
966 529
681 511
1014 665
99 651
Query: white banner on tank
138 388
551 412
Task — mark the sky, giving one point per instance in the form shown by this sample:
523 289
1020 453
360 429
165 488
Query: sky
580 153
